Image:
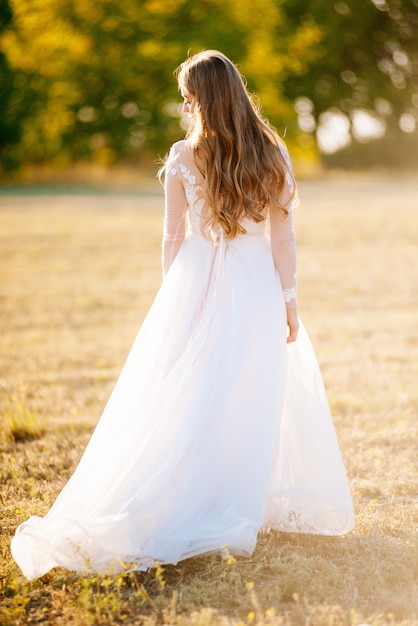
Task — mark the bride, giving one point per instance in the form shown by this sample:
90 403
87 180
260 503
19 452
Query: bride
219 424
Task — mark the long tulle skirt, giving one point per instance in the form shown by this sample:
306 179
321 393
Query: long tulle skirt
215 428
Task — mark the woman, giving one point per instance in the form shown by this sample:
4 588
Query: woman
216 427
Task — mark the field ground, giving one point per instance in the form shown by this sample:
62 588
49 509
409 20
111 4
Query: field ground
78 272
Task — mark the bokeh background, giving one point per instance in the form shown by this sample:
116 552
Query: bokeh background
91 81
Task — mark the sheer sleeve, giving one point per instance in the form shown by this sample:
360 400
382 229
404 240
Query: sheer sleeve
283 244
174 227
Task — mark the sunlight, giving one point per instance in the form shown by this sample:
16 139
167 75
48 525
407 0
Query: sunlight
335 129
333 132
366 126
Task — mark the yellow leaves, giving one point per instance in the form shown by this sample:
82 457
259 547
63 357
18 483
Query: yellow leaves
150 48
263 58
163 7
7 41
155 48
90 10
43 41
59 88
110 24
256 17
71 56
303 47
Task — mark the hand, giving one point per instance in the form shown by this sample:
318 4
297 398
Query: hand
292 323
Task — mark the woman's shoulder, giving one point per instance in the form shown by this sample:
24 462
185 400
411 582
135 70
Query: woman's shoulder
180 148
181 158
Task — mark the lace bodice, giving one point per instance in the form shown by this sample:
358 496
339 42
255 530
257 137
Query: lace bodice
183 207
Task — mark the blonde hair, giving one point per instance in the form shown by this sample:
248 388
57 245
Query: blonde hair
235 149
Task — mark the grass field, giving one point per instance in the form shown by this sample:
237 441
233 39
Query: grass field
78 272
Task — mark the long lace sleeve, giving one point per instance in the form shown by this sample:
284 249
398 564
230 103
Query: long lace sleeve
283 244
174 227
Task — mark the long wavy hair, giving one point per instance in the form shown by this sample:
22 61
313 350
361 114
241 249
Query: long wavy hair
235 149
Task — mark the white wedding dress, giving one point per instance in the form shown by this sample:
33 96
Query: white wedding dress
215 427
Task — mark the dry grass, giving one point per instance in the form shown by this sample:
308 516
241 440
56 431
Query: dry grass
78 274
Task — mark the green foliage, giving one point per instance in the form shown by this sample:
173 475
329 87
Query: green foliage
368 60
94 79
368 51
9 121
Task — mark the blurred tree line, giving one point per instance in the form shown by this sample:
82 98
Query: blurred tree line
93 79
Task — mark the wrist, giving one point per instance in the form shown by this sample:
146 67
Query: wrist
292 305
289 295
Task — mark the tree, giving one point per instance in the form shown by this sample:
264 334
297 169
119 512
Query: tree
9 126
94 80
368 58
